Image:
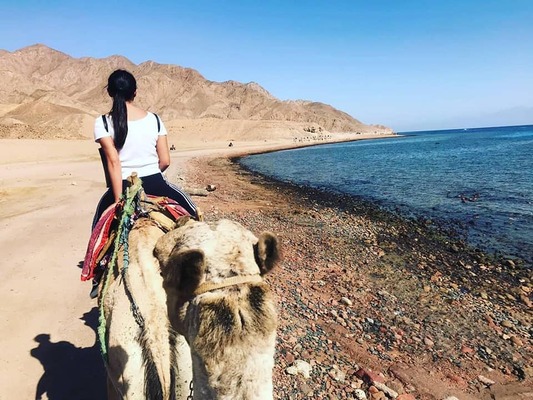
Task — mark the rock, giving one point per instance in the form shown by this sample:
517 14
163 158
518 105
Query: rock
451 398
428 342
359 394
196 192
507 324
292 370
528 371
369 376
509 263
517 341
406 396
486 381
306 389
337 374
467 350
385 389
526 300
457 379
490 321
378 396
436 277
289 357
346 301
300 367
211 188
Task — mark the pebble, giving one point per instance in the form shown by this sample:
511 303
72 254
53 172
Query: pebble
337 374
289 357
385 389
406 396
360 394
467 350
346 301
517 341
507 324
486 381
510 263
303 368
306 389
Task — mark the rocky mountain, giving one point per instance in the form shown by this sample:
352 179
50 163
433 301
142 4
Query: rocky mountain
46 93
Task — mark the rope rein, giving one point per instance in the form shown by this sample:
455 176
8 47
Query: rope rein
231 281
124 227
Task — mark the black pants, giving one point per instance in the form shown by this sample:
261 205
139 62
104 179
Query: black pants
155 185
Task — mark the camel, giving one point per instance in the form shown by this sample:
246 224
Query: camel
191 307
217 299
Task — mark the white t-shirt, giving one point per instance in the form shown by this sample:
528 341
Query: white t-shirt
139 152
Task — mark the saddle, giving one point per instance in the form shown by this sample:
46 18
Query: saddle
162 210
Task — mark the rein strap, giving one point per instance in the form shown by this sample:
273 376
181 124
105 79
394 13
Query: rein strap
234 280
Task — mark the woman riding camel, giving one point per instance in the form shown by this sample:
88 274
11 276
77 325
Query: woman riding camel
133 140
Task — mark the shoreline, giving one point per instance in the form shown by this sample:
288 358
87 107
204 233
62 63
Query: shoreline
451 305
454 229
449 230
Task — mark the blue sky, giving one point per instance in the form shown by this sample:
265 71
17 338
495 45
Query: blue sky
410 65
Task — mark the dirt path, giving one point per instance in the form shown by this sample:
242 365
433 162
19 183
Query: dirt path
48 193
48 321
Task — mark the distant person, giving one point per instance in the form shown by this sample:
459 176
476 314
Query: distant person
133 140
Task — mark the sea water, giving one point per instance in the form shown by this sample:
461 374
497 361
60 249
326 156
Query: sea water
479 181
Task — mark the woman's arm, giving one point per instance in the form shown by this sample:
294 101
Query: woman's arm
163 153
113 166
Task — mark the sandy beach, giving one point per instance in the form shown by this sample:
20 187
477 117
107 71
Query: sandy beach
370 301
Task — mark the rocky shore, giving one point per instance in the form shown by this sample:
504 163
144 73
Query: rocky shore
374 306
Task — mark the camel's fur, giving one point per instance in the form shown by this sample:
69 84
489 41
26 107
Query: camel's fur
231 331
129 375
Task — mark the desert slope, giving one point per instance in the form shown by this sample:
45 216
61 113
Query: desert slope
45 93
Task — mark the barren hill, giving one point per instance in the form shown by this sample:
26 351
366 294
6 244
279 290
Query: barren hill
45 93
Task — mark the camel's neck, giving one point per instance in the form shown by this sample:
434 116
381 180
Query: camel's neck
248 377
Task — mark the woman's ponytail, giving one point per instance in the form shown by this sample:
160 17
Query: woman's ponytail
119 115
122 87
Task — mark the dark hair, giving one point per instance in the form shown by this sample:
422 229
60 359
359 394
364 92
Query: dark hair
122 87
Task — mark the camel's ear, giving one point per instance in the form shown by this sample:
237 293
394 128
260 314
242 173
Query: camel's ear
266 252
184 271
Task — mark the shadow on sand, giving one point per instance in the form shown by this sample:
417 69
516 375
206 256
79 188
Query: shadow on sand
71 372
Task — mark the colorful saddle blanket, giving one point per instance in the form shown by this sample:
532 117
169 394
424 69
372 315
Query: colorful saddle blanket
162 210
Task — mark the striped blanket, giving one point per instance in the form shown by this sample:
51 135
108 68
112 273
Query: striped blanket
102 237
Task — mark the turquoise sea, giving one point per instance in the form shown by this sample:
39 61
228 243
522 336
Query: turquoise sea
477 181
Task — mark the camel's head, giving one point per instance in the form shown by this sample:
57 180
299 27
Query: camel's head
230 328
